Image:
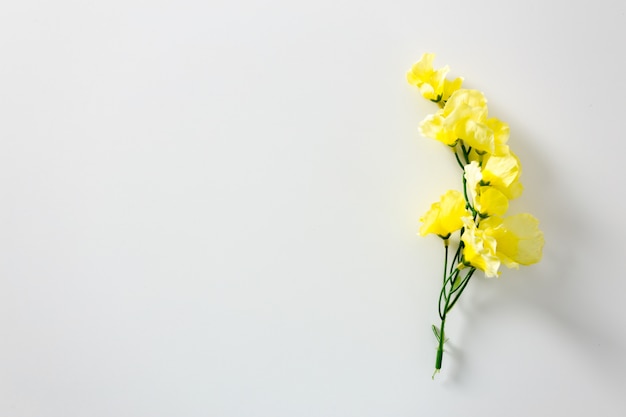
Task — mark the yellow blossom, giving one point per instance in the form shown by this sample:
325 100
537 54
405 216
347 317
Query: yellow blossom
501 133
479 249
503 172
485 199
464 117
490 201
449 87
433 127
519 240
444 216
473 99
432 83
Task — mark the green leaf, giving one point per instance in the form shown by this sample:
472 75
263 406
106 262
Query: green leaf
437 333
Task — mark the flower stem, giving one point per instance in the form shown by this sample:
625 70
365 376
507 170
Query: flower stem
468 204
442 339
445 259
448 301
458 160
461 288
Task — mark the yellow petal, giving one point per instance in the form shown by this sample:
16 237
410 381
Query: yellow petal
503 172
491 201
501 133
430 82
477 135
479 249
473 176
465 115
422 70
519 240
471 98
449 87
433 126
445 216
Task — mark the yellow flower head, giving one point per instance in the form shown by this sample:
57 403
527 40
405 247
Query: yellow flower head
503 172
490 201
480 249
519 240
449 87
445 216
432 83
486 200
501 133
464 117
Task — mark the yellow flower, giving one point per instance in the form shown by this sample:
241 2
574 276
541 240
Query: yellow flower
445 216
479 249
465 117
433 126
449 87
485 199
503 172
490 201
519 240
473 99
513 241
501 133
432 83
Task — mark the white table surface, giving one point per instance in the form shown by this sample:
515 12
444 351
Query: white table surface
210 209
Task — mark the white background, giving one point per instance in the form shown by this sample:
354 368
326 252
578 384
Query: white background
210 209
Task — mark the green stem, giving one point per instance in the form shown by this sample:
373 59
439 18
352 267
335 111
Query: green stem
460 289
448 301
442 339
469 205
456 255
456 154
448 280
459 283
466 152
445 267
445 259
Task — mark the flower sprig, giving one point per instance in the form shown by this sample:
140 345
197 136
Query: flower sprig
491 174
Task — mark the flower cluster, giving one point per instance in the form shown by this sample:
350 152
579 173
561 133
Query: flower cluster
487 238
